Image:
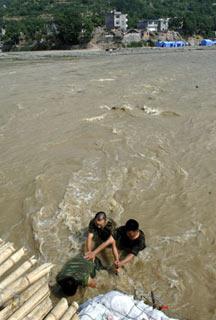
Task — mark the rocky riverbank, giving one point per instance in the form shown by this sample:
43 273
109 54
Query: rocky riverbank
58 54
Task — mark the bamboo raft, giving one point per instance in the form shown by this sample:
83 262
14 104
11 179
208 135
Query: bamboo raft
24 289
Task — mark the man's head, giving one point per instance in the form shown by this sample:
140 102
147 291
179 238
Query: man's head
69 285
132 229
100 219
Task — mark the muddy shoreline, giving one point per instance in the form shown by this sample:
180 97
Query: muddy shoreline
58 54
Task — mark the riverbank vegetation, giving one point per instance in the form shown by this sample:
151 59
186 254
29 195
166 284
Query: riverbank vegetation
59 24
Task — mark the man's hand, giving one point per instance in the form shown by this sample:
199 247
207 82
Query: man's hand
118 264
90 255
92 283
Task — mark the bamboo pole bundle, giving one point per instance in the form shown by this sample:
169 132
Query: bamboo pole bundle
11 261
1 243
40 311
58 311
25 281
68 315
18 273
5 251
18 301
75 317
4 245
31 303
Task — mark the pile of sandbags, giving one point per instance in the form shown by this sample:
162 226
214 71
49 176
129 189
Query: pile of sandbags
116 305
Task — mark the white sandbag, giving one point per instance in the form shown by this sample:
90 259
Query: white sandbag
118 306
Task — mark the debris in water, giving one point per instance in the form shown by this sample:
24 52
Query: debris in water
170 114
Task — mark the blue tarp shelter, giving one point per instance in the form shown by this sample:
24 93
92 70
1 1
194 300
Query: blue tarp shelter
180 43
208 42
171 44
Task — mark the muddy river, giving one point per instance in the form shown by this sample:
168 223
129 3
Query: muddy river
132 135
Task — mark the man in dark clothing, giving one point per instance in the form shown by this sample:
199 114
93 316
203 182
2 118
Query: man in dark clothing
78 272
129 239
99 230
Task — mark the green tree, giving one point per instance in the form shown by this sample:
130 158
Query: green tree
69 25
87 29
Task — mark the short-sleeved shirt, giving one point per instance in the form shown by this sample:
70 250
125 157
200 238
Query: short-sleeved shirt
99 233
80 269
126 244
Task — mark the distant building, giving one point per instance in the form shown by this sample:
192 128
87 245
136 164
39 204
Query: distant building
116 20
154 25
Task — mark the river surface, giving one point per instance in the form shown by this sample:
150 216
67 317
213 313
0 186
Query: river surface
132 135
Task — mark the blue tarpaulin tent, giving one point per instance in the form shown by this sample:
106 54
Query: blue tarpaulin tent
180 44
208 42
170 44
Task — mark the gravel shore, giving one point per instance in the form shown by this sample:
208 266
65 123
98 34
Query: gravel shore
32 55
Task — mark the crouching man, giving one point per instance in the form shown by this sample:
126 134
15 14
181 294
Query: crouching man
78 272
99 230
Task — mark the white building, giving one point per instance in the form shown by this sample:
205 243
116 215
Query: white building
154 25
116 20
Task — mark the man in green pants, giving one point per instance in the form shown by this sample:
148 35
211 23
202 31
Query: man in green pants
78 272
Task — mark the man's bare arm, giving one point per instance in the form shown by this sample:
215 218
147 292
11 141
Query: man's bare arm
92 254
115 251
89 242
127 259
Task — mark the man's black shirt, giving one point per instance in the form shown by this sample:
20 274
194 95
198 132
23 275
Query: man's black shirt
126 244
99 233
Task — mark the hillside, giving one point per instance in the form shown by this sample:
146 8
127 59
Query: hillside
62 23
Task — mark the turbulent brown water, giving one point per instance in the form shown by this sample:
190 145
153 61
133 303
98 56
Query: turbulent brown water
132 135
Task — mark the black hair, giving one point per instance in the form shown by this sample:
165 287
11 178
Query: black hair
132 225
69 285
100 215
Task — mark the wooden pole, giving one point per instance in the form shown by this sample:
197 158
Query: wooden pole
68 315
75 317
5 251
58 311
1 243
18 273
25 281
4 245
40 311
31 303
18 301
11 261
